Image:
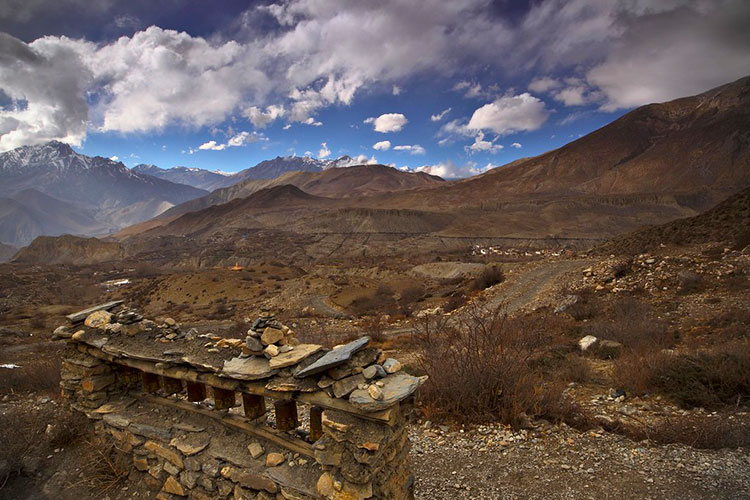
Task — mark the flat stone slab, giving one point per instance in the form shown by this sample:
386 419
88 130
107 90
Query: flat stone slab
291 384
334 358
252 368
79 316
294 356
191 443
396 387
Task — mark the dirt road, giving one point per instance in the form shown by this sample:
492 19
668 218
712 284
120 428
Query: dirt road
539 285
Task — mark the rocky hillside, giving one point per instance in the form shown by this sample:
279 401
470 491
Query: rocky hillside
76 193
695 148
6 252
351 182
727 222
69 250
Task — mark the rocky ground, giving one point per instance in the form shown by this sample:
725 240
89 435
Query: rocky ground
557 461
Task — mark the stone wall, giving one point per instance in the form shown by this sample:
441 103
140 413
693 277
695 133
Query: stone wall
316 430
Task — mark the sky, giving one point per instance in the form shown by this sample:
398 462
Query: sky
448 87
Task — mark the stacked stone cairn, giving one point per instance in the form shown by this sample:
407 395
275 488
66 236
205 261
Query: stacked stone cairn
117 372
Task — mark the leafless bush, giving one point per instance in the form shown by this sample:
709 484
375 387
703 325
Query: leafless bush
482 367
106 467
380 302
491 275
41 375
632 323
708 378
454 301
588 305
575 368
698 431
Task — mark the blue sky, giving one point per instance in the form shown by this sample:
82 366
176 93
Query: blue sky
452 88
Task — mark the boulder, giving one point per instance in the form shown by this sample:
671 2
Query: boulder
98 319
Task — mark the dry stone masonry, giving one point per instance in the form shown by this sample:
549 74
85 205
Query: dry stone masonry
264 417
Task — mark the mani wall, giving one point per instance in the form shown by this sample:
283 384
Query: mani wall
264 417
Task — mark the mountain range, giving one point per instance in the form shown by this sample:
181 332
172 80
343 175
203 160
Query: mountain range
267 169
51 189
654 164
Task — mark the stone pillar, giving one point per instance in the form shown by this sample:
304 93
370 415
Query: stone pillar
254 405
286 414
223 398
85 381
369 459
150 382
195 392
171 385
316 424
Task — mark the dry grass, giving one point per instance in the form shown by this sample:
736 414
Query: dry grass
631 323
105 469
709 378
714 432
41 375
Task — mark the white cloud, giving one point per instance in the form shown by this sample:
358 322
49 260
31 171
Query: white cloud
382 145
481 145
324 151
397 90
359 160
414 149
260 118
543 84
450 170
311 121
235 141
439 116
388 122
516 145
510 114
287 126
664 57
114 158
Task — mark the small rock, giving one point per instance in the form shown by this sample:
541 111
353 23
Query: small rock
274 459
374 371
391 365
271 351
255 449
375 392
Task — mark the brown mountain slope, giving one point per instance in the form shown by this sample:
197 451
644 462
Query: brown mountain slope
69 250
728 222
349 182
695 147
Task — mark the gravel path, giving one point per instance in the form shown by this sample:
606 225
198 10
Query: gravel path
491 462
535 287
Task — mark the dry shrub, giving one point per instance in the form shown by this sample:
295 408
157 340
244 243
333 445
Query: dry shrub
409 297
381 301
575 368
39 375
455 300
631 323
490 276
708 378
714 432
106 467
588 305
482 367
375 328
24 433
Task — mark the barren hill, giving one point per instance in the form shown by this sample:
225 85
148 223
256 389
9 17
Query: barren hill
69 250
727 222
696 148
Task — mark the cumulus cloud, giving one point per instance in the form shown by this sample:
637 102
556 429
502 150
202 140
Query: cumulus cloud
114 158
318 53
260 118
481 145
510 114
414 149
388 122
543 84
46 82
235 141
382 146
359 160
324 151
397 90
450 170
662 57
516 145
439 116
